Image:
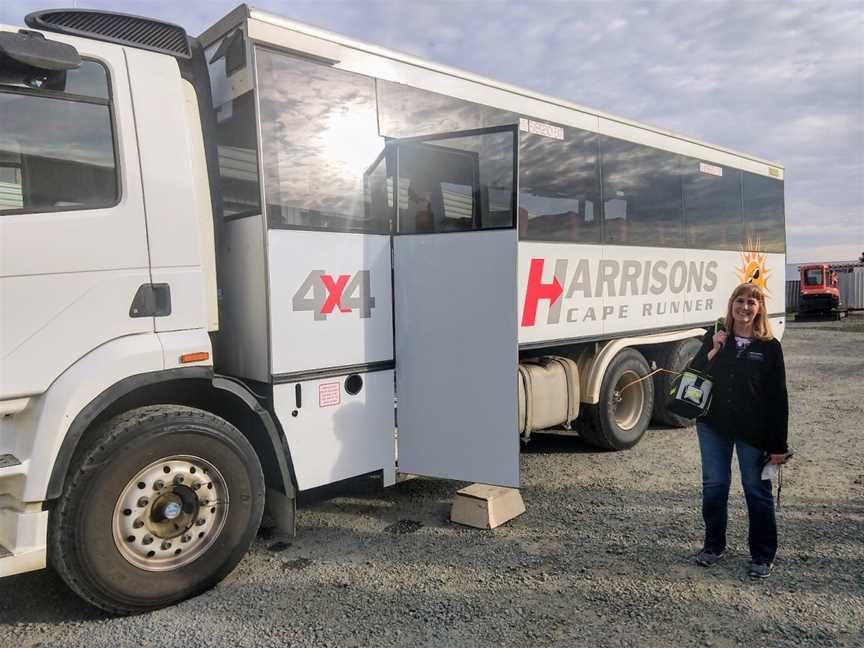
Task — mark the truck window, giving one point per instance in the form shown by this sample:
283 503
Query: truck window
559 188
712 206
56 144
458 183
319 134
405 111
813 277
235 134
642 195
763 212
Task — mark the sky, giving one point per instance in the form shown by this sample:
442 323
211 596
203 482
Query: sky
783 81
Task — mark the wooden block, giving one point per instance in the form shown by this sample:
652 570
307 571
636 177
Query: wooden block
486 507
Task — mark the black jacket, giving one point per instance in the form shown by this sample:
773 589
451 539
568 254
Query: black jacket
750 402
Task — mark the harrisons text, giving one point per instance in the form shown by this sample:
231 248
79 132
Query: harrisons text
618 279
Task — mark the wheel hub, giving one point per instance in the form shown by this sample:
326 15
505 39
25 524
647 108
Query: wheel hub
181 501
628 399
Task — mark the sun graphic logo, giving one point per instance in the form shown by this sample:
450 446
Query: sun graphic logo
753 268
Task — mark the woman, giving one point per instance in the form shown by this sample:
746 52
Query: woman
749 412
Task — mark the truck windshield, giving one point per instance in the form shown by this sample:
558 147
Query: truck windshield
813 277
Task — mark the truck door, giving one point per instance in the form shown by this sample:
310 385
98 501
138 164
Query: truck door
455 304
73 244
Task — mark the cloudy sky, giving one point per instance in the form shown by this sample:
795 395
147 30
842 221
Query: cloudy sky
781 81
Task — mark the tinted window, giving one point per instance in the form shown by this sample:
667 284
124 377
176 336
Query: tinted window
712 206
410 112
235 133
319 131
764 223
456 184
559 188
55 154
642 196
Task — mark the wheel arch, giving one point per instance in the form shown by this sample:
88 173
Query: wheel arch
602 359
197 387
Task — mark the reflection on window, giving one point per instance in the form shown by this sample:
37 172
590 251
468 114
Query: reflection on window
236 137
89 80
11 196
559 188
319 130
764 223
410 112
456 184
712 206
642 202
55 154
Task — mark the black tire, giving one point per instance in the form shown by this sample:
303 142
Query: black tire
81 536
675 357
612 428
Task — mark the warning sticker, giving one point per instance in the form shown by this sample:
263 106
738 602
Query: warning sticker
329 394
710 169
541 128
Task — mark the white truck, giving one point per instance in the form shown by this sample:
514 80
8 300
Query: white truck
224 258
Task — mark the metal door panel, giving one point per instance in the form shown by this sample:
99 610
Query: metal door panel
455 308
456 355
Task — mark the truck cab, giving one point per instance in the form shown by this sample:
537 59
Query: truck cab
819 291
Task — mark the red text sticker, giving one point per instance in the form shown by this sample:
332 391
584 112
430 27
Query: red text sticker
329 394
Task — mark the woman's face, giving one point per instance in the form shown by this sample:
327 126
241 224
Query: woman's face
744 309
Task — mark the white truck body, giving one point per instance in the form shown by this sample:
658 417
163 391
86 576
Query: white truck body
307 279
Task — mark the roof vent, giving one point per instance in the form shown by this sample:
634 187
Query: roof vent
122 29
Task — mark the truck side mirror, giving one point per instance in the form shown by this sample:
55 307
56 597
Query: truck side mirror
31 51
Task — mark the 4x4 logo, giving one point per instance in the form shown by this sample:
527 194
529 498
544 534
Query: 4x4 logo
324 294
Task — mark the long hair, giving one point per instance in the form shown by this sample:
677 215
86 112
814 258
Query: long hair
761 325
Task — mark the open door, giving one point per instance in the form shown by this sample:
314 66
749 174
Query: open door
455 304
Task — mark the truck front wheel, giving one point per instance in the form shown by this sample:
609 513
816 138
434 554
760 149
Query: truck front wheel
160 506
621 417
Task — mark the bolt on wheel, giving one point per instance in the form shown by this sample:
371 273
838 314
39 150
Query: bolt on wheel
170 513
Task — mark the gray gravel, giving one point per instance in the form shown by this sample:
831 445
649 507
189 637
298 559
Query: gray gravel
603 556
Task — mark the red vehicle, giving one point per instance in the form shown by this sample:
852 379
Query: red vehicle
819 292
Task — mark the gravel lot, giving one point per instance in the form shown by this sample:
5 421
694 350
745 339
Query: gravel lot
603 556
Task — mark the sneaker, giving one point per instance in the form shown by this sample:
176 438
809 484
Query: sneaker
709 558
759 570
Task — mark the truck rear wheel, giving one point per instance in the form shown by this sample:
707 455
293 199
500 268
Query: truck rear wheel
621 417
675 357
161 507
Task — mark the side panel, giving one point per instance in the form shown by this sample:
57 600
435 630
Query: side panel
333 434
609 290
456 355
240 346
330 300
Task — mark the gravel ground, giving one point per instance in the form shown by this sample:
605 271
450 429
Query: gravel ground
603 556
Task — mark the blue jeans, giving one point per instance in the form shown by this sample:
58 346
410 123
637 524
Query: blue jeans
716 451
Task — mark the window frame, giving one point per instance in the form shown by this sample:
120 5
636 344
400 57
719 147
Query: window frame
471 132
56 95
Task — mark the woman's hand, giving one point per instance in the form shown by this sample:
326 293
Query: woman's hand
719 340
779 458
